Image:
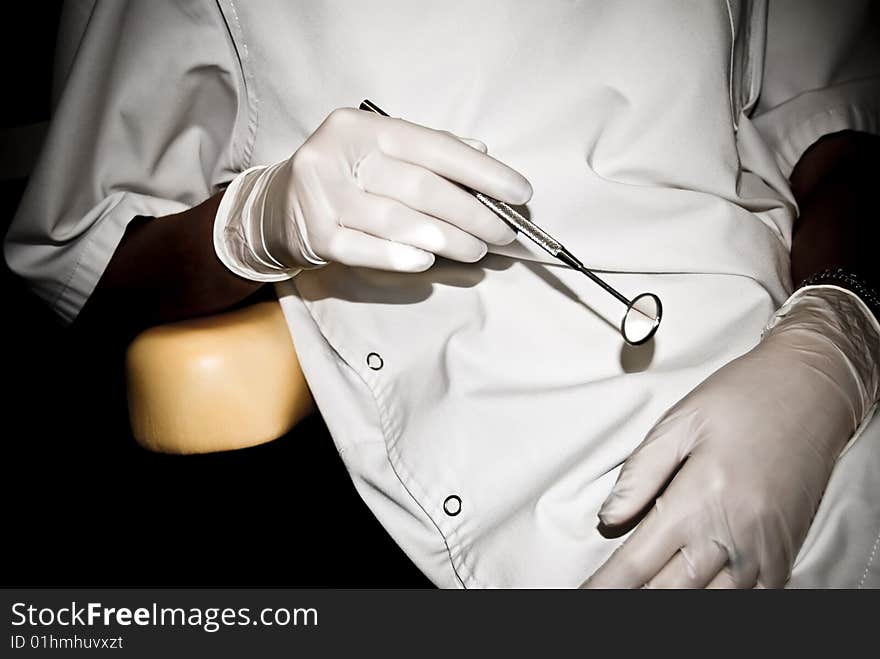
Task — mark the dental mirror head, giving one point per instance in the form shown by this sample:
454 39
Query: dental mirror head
642 319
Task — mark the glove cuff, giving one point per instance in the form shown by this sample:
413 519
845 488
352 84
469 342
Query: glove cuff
232 245
841 317
850 281
241 220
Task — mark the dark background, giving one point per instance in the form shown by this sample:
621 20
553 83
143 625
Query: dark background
84 505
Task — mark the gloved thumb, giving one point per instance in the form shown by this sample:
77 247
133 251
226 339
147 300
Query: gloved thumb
647 470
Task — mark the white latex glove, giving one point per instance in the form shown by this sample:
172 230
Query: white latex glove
749 452
365 190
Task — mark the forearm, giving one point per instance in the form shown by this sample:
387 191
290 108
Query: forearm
836 227
165 269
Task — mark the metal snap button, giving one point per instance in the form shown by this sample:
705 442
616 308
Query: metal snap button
452 505
374 361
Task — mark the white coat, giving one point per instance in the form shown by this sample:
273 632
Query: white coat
483 410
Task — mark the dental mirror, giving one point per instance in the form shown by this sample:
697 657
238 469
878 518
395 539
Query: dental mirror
642 319
643 312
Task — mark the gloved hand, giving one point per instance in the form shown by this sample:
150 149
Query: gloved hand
749 452
365 190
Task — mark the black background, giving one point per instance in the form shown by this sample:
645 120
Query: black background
84 505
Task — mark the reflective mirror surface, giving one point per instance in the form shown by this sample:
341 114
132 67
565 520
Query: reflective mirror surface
642 319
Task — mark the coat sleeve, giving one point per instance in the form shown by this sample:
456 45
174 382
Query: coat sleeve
821 74
145 125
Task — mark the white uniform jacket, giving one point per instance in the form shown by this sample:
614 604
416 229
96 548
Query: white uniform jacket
483 410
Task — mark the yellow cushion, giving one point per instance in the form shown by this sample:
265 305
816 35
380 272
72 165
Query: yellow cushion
218 383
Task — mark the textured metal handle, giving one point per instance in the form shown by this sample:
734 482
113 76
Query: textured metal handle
520 223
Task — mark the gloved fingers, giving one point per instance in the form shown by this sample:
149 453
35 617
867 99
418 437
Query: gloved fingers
774 573
728 578
647 550
423 190
766 546
446 155
693 566
643 474
723 580
474 144
765 584
359 249
389 219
